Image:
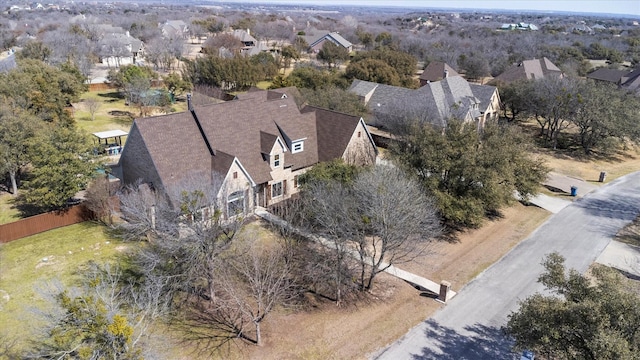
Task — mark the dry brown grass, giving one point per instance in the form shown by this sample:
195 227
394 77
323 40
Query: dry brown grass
393 307
589 168
573 161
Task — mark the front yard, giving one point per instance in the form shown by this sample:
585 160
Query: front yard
322 331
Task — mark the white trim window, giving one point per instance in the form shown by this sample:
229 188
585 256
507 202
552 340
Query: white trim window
297 146
276 160
276 189
235 203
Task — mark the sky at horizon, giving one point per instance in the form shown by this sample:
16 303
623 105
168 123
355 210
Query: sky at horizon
623 7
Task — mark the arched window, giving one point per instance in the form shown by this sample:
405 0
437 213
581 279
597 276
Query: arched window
235 203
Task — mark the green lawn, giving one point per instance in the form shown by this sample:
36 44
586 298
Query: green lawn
32 263
112 113
8 212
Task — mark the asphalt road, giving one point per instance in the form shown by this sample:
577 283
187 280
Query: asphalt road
469 326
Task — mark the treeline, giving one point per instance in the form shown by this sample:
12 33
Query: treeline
574 112
234 73
40 147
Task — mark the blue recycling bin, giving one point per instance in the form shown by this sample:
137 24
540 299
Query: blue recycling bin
574 190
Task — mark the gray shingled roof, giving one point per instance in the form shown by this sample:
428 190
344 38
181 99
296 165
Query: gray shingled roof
335 37
453 98
435 102
362 88
8 63
483 93
244 36
609 75
631 81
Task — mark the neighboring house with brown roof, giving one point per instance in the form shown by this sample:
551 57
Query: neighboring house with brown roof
436 71
250 150
436 102
527 70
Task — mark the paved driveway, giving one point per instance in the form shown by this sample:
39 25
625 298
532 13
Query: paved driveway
469 326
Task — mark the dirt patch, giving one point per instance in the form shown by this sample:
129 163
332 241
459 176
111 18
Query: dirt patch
121 113
46 261
354 332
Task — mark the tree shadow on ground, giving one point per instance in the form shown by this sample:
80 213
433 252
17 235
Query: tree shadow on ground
617 207
111 95
484 342
25 209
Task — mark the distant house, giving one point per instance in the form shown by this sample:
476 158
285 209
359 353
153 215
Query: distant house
626 79
175 29
518 26
436 71
631 81
317 41
436 102
118 49
582 28
613 76
527 70
245 37
250 46
248 151
116 46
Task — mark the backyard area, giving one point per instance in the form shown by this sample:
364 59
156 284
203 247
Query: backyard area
30 266
111 113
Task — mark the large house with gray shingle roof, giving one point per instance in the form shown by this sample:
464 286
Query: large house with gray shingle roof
251 150
436 102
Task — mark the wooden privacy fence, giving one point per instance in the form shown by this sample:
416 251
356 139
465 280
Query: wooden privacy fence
43 222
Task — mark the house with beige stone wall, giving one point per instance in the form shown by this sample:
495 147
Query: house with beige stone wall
250 151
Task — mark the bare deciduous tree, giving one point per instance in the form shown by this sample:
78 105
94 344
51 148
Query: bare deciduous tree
254 283
97 200
332 210
92 106
397 217
382 219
